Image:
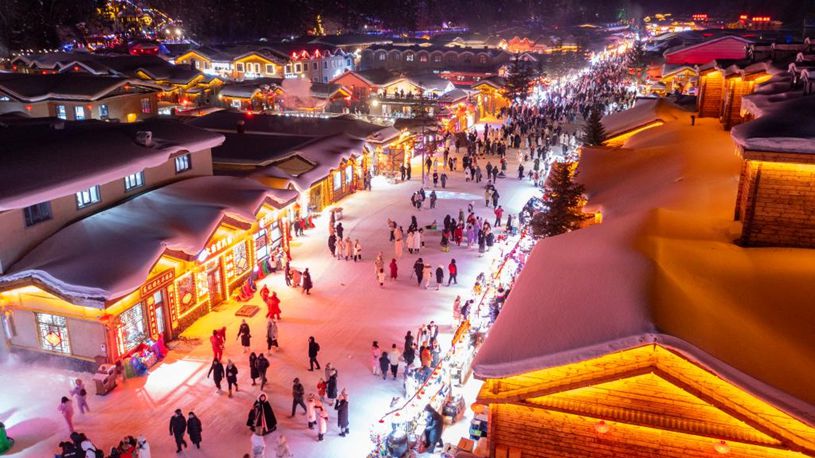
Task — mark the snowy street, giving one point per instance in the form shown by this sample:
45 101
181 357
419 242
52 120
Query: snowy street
346 311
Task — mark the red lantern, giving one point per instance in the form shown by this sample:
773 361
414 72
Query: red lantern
602 427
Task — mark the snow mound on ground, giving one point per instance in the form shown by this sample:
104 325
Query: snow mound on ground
662 267
645 111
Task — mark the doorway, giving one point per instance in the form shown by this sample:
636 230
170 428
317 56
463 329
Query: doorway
215 285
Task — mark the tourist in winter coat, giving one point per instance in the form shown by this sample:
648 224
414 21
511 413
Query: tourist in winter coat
332 244
457 309
321 388
194 429
439 277
313 350
380 277
331 388
340 248
262 366
418 268
340 230
273 303
349 249
433 429
409 355
81 395
357 251
311 414
417 240
245 334
495 197
283 447
427 274
452 271
398 242
393 268
231 371
499 212
217 372
307 285
261 417
376 352
425 356
297 394
178 426
379 262
384 363
271 335
66 408
409 240
253 368
342 413
408 340
393 358
322 421
217 345
143 448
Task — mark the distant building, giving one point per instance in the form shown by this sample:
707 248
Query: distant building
724 47
417 58
77 97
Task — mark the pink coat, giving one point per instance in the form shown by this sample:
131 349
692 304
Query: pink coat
322 415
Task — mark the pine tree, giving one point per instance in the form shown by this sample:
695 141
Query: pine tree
565 201
594 134
518 81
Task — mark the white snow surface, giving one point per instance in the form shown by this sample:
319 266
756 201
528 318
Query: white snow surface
41 163
645 111
785 126
109 254
345 312
662 267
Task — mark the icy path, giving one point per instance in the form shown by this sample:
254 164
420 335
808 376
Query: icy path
346 312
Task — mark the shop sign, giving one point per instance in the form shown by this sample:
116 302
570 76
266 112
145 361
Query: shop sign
214 248
157 282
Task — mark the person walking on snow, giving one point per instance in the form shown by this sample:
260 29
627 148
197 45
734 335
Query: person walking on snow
81 395
283 447
297 393
376 352
307 284
433 199
262 366
231 371
245 334
418 268
253 367
217 345
380 277
342 413
66 408
178 426
340 248
452 270
313 349
322 419
271 335
273 303
217 372
499 212
409 240
349 248
397 243
194 429
393 358
439 277
426 274
384 363
332 244
357 251
311 414
331 386
258 445
394 269
261 417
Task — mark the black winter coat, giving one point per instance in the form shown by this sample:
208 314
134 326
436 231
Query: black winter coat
253 370
342 413
217 371
194 428
232 373
245 334
331 388
178 425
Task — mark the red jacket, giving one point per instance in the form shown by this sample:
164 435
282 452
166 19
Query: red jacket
452 268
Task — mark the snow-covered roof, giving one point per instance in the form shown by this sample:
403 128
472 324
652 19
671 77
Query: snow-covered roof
644 112
256 149
707 43
786 126
777 89
48 159
109 254
662 267
226 121
66 86
309 163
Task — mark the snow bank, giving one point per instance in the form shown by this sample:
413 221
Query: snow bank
644 112
662 268
109 254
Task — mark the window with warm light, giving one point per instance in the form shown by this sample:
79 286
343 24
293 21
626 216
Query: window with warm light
88 197
146 106
131 329
239 66
270 69
79 113
53 333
